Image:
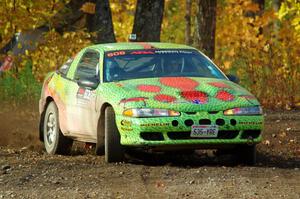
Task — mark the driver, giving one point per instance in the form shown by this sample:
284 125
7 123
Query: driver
173 65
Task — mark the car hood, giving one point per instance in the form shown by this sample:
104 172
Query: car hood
179 94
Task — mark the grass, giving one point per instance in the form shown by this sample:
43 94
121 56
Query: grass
19 88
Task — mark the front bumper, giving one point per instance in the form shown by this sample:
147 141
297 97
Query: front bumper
170 131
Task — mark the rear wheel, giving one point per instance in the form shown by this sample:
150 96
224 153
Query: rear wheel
114 151
55 142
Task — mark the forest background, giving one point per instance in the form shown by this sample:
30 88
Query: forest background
256 40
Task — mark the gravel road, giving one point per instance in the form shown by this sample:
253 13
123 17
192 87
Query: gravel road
26 171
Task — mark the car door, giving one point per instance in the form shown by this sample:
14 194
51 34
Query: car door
61 84
81 104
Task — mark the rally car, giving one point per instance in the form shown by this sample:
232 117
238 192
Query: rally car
157 96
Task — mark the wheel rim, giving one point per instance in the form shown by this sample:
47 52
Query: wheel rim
51 129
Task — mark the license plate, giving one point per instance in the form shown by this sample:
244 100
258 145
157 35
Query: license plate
204 131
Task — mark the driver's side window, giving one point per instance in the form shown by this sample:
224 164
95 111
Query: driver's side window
63 70
88 66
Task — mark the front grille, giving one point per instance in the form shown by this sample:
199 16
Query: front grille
186 135
213 112
191 113
220 122
188 122
152 136
204 122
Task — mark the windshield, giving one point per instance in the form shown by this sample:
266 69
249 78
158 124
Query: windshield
134 64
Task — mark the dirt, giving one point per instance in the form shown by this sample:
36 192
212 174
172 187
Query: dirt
26 171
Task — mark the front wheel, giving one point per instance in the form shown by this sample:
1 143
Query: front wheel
55 142
114 151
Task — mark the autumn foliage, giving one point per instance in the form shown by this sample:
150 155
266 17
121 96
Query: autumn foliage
262 50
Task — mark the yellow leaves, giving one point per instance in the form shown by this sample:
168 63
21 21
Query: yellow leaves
66 35
10 4
227 64
266 48
266 61
174 32
252 7
283 71
25 14
291 9
123 17
23 6
268 17
247 46
88 7
19 45
231 52
7 28
296 23
52 64
114 6
55 50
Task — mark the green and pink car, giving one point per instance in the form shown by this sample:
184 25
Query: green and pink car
157 96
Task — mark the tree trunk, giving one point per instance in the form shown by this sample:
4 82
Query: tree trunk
276 26
65 19
101 23
277 4
188 6
206 26
261 6
148 19
261 3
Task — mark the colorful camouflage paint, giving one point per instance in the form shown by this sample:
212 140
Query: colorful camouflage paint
200 101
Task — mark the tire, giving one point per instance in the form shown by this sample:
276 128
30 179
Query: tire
100 148
114 151
246 154
55 142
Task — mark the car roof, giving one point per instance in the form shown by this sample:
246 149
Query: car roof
139 46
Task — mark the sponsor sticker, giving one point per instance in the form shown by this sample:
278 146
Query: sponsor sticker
126 123
250 123
116 53
147 51
84 96
156 124
126 129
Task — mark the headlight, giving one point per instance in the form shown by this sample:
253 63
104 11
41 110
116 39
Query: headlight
254 110
148 112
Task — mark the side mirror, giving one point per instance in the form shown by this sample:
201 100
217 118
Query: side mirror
233 78
88 83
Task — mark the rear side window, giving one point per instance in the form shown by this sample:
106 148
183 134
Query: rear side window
88 66
63 70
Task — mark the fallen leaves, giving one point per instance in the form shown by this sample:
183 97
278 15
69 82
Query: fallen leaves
282 135
88 7
267 142
159 184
